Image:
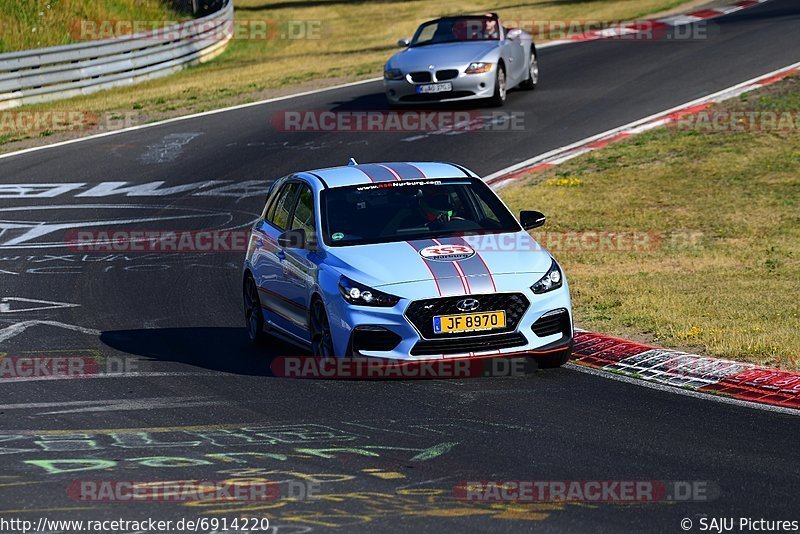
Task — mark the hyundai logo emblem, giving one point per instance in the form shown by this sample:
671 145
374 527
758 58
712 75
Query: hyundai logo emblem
468 304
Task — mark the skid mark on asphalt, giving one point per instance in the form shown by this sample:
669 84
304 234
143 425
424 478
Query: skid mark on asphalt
168 149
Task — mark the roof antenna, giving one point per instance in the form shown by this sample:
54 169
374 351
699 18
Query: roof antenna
351 162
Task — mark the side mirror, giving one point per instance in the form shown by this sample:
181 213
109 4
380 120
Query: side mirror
531 219
292 239
513 34
402 43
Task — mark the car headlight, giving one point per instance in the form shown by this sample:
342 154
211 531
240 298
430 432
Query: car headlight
393 74
361 295
553 279
478 67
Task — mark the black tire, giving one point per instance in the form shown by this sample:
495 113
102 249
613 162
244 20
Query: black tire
500 88
321 339
533 74
553 359
253 313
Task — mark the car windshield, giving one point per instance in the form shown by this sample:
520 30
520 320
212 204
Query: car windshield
399 211
457 29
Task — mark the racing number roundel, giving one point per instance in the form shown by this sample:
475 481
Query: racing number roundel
447 252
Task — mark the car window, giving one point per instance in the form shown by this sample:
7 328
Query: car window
304 214
487 211
375 213
269 206
426 33
283 206
457 29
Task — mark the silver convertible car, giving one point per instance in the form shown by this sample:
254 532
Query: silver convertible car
461 58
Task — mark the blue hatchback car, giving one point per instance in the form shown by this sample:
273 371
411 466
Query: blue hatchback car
403 261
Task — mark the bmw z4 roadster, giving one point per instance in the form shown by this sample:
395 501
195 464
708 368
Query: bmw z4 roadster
403 261
461 58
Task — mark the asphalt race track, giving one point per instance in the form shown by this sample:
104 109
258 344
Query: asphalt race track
201 404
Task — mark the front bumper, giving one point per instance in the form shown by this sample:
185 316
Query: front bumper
465 87
413 346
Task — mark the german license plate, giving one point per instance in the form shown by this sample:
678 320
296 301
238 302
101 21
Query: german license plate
435 88
469 322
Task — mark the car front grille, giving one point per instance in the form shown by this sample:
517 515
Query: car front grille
470 344
421 77
554 322
447 74
421 312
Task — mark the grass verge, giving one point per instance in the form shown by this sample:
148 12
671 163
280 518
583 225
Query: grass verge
318 43
720 271
26 24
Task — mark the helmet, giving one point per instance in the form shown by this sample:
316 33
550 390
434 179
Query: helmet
437 206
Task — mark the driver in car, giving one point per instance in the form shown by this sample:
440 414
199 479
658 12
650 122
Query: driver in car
438 211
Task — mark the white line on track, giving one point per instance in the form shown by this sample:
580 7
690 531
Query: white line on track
680 391
18 328
643 124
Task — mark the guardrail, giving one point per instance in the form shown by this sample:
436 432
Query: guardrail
44 74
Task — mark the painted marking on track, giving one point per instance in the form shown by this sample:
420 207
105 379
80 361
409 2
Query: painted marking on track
6 307
18 328
384 475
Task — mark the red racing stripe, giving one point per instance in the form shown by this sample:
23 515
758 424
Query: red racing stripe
459 271
378 173
446 276
405 171
396 176
475 267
